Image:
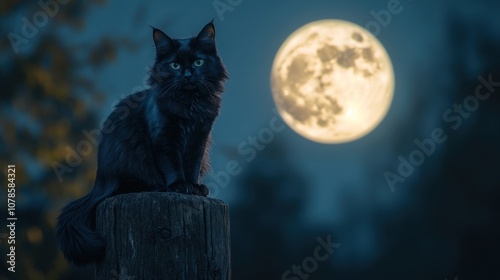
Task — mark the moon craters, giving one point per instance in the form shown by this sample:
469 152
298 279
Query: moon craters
298 70
357 37
327 53
347 58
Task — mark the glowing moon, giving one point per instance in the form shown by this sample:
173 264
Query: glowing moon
332 81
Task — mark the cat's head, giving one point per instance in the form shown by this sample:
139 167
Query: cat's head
190 65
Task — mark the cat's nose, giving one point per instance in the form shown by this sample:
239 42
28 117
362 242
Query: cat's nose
188 74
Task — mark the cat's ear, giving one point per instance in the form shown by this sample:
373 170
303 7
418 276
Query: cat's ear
161 39
207 34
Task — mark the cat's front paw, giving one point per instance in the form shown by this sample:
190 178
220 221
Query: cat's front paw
180 187
200 189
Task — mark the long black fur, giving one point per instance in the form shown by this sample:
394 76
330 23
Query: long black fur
154 140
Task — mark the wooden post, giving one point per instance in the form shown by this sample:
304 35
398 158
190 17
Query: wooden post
158 235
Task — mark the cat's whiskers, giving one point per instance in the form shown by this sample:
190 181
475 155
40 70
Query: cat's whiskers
172 86
208 86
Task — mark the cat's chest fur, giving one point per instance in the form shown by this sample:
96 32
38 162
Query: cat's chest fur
182 120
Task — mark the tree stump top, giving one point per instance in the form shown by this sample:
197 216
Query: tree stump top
158 235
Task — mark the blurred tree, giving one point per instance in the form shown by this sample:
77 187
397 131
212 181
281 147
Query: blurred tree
448 228
267 222
462 193
47 100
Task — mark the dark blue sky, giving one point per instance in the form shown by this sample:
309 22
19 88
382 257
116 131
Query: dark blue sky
248 38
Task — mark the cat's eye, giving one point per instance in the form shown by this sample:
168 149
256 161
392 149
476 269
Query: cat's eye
199 62
175 65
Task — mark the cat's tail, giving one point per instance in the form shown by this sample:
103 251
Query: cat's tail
75 228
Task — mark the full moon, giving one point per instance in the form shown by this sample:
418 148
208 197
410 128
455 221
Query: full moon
332 81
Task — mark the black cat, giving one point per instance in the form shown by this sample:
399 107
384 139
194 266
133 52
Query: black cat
154 140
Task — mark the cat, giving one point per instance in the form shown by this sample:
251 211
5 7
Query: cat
159 143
